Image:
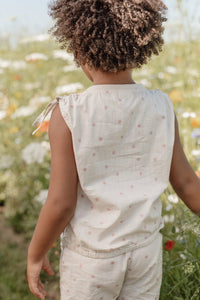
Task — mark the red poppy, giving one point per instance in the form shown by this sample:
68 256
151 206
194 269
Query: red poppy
169 245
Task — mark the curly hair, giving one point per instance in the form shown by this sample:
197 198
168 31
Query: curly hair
110 35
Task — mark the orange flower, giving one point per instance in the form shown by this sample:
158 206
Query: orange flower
195 122
176 96
198 173
44 127
16 77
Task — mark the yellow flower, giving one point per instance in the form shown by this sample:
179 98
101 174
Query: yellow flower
38 134
11 109
14 129
176 96
18 95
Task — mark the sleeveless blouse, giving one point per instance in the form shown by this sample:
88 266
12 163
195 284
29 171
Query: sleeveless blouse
123 137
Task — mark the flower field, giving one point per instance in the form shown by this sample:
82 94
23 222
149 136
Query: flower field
31 75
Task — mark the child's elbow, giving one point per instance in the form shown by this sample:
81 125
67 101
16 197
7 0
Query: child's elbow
63 206
189 192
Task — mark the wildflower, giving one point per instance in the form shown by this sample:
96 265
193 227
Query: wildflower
195 122
35 152
14 129
198 242
18 95
2 114
34 57
70 68
176 96
173 198
36 38
39 100
146 83
42 196
168 207
196 133
15 64
32 85
169 245
11 109
188 268
16 77
63 55
69 88
6 161
198 173
187 115
23 111
171 70
168 218
44 127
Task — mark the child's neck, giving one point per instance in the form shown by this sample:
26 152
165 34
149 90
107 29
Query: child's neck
99 77
122 77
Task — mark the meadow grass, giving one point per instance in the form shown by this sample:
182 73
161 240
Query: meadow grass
176 72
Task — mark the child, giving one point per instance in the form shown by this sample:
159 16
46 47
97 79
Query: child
114 148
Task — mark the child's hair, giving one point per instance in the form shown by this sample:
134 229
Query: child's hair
110 35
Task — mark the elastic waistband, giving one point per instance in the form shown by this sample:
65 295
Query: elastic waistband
109 253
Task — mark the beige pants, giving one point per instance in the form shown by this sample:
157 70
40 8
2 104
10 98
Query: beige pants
136 275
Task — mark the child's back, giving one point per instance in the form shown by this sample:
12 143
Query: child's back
123 139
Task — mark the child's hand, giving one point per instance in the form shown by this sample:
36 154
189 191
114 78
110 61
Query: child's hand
33 276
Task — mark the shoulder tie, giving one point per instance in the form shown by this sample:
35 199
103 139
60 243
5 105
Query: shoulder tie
40 119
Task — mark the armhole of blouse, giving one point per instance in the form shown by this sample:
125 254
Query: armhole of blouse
171 107
64 107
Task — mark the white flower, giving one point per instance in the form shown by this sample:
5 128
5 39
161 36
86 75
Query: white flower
35 152
69 88
171 70
196 152
15 64
36 56
4 103
161 75
38 101
32 85
173 198
2 114
36 38
146 83
169 207
178 83
70 68
189 115
183 256
6 161
168 218
23 111
42 196
63 55
194 73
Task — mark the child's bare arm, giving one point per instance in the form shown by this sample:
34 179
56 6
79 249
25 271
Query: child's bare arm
61 200
60 204
182 177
